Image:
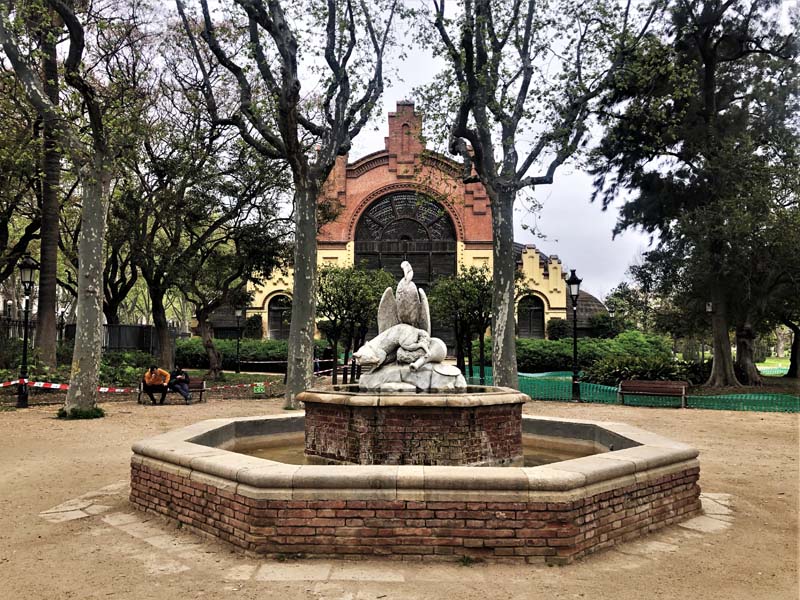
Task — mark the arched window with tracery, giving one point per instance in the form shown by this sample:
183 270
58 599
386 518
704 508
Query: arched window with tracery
407 226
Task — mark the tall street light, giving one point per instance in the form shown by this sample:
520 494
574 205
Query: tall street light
238 313
574 287
27 271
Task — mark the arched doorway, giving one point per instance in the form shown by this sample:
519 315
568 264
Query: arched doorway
413 227
279 316
407 226
530 317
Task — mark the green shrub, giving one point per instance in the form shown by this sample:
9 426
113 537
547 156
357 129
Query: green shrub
537 356
558 329
81 413
613 369
124 367
10 353
190 354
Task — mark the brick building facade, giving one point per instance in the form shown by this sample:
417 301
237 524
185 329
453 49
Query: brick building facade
407 203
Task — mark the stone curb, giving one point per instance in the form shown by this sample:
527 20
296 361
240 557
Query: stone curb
186 450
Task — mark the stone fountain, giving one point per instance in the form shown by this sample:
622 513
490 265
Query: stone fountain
413 420
409 408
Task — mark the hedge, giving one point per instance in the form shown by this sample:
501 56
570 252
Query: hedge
264 356
536 356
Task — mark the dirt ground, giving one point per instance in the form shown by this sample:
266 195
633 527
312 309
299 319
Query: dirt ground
747 548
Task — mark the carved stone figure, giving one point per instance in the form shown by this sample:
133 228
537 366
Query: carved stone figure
409 305
404 355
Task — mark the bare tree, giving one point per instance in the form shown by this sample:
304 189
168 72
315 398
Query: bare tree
520 84
306 132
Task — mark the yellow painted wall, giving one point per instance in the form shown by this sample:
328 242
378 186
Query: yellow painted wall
552 289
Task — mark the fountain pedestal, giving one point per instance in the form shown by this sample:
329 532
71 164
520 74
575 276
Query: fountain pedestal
375 428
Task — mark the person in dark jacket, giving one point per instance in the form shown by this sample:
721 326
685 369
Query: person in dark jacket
179 382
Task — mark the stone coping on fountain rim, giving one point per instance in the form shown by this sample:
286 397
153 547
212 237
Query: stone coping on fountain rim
198 452
492 397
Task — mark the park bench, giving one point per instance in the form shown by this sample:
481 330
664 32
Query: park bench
196 387
638 387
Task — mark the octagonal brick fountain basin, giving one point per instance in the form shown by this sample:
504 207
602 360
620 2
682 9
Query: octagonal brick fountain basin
632 483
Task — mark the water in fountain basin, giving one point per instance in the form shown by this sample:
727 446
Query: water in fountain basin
290 450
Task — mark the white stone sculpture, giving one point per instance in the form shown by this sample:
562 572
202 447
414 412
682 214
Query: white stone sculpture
404 356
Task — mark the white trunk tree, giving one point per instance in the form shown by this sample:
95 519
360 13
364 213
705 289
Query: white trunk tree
338 49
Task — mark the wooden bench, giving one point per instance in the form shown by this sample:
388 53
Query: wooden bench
640 387
196 388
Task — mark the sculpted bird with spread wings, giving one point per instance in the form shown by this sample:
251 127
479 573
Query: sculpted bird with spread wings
408 305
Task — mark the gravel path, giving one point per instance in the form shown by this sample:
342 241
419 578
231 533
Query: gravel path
67 530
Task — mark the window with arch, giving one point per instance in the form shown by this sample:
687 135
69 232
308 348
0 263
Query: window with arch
279 316
530 317
407 226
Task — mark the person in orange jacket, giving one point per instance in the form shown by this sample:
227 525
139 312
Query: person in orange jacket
155 380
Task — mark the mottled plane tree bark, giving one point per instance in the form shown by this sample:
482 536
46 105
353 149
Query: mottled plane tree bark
521 80
90 151
341 49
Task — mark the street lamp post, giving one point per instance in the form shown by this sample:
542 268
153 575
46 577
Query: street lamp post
574 286
238 313
27 271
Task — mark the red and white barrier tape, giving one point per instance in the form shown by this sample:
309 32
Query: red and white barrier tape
47 385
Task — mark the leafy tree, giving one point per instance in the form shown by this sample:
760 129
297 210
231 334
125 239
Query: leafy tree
91 150
517 70
700 127
343 43
20 213
465 302
347 300
239 253
602 325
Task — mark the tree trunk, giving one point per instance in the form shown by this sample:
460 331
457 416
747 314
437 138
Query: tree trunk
161 325
111 312
88 349
482 346
335 372
504 349
459 348
780 342
304 297
794 352
51 181
745 350
214 357
722 374
469 356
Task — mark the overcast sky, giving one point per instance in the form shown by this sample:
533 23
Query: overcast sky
578 231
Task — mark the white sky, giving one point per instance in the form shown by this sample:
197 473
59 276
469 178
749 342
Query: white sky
578 231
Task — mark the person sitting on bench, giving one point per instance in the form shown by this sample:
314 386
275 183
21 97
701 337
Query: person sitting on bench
179 382
156 380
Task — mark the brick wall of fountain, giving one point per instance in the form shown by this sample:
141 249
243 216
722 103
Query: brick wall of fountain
554 532
415 435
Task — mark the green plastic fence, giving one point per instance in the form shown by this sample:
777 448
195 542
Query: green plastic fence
773 371
557 386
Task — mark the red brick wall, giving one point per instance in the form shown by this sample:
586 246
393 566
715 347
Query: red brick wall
499 531
401 166
415 435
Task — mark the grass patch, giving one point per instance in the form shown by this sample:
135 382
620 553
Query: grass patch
774 361
81 413
234 378
7 408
